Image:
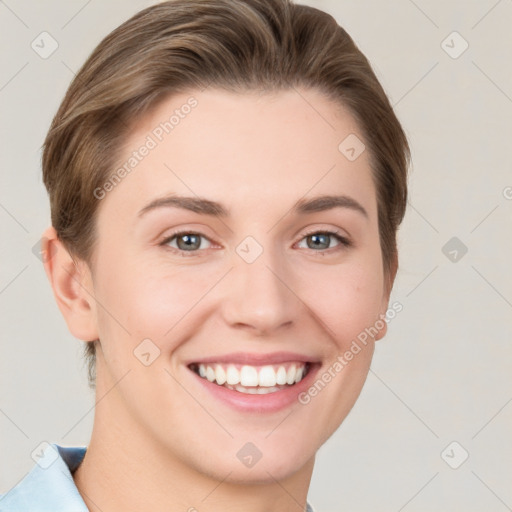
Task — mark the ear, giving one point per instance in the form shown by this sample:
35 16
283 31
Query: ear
389 279
72 287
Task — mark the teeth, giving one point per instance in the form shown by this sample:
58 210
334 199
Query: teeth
210 373
267 377
251 379
233 375
254 391
220 374
290 375
281 376
249 376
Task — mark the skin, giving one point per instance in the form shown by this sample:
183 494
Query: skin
160 441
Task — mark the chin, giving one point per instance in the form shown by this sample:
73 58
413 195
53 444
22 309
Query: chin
266 466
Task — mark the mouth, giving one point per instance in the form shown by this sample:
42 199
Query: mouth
253 380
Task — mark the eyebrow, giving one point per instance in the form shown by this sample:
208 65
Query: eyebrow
215 209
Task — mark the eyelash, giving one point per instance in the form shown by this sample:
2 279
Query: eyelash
343 241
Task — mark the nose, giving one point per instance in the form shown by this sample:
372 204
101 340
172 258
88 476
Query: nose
259 296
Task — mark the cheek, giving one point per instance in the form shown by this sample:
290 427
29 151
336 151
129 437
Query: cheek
147 301
346 300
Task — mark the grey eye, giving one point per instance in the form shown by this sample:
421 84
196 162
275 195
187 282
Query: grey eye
188 242
321 240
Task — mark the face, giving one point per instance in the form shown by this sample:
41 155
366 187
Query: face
227 319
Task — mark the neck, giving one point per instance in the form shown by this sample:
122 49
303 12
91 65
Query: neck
125 469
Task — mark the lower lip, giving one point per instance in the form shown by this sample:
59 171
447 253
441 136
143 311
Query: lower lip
270 402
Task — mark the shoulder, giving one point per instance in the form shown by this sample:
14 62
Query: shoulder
49 485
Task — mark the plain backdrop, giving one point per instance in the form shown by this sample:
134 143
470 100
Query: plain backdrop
440 387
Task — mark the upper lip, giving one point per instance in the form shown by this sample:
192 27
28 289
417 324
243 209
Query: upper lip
254 359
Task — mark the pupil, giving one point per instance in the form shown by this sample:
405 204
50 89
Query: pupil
190 241
324 243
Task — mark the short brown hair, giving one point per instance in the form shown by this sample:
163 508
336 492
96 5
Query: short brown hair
236 45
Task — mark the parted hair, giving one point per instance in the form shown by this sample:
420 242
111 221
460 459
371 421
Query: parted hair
236 45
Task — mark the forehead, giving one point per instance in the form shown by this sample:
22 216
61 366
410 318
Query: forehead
274 148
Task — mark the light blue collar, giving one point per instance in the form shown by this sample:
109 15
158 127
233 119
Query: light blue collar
49 486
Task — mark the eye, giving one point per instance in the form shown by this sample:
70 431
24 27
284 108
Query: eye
186 241
322 240
191 242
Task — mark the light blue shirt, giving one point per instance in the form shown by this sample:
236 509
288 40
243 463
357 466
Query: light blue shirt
49 486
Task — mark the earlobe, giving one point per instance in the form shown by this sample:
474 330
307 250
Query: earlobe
71 285
382 327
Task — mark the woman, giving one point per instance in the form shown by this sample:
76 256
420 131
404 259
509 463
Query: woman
226 182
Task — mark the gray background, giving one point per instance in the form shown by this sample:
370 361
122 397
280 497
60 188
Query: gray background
442 374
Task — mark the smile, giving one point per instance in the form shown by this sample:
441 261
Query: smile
250 379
